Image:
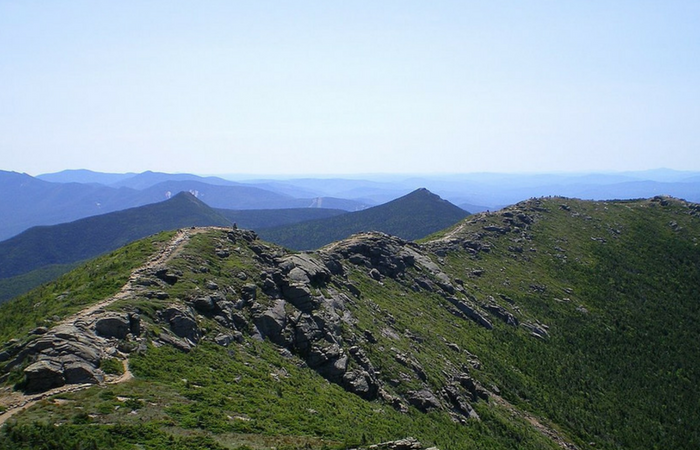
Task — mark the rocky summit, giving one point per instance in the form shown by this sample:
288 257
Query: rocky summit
554 323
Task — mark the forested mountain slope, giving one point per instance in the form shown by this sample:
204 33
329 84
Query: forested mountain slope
554 323
411 216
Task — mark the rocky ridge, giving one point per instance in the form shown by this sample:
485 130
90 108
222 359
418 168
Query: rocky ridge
302 302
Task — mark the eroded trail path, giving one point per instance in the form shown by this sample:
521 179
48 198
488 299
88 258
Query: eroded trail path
163 256
12 402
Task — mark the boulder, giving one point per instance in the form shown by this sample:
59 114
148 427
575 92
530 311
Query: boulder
170 277
455 397
362 383
472 386
44 375
225 340
113 325
423 399
501 313
471 312
272 321
182 323
249 292
306 332
330 362
401 444
77 371
204 304
304 268
300 296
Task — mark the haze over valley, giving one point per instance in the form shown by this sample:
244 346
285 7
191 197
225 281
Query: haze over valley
395 225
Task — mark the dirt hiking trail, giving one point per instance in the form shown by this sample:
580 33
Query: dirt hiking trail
12 402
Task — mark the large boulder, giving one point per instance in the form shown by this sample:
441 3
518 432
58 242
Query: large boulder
362 383
78 371
113 325
330 362
300 296
304 268
43 375
424 400
272 321
182 323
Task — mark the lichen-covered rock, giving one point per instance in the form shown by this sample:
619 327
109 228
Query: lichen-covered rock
182 323
424 400
272 321
43 375
112 324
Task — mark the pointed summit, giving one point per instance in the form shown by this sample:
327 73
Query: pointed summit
413 216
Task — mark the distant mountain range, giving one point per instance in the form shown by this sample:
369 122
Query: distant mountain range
552 324
42 253
73 194
412 216
28 201
259 219
68 243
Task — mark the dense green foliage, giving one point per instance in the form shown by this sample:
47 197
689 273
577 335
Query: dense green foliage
412 216
619 285
250 396
17 285
75 290
615 284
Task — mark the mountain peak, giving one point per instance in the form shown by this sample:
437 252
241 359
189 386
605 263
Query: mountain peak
413 216
526 320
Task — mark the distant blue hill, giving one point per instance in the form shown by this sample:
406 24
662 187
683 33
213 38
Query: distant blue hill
28 201
43 253
86 238
412 216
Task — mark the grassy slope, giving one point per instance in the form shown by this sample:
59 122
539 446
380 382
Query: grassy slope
622 298
93 281
92 236
620 367
18 285
241 395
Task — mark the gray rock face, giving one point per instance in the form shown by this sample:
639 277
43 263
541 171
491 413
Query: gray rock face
461 404
471 312
388 254
182 323
362 383
306 332
43 375
77 371
501 313
472 386
402 444
116 325
424 400
225 340
272 321
71 353
331 362
300 296
304 268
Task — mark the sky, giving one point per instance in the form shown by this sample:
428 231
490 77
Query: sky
339 87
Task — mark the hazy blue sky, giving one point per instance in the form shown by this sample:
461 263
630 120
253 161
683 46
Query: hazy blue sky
349 86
